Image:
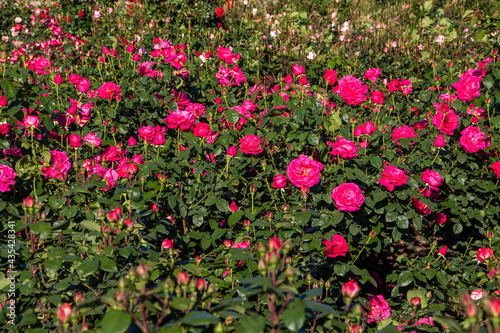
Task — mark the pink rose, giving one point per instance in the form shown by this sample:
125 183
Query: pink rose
41 64
180 119
406 86
251 144
472 139
345 148
3 101
7 176
372 74
147 133
167 243
467 87
232 151
440 218
403 132
31 121
447 122
110 90
201 130
433 178
368 128
392 177
59 165
348 197
439 142
83 85
241 245
297 69
496 168
279 181
330 77
420 207
378 309
352 90
484 253
394 85
377 97
92 140
336 247
304 172
227 55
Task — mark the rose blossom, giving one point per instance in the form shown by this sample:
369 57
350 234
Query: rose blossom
406 86
59 165
201 130
439 142
348 197
477 294
92 140
335 247
110 90
394 85
484 253
379 309
304 172
180 119
496 168
372 74
7 176
420 207
83 85
167 243
377 97
392 176
250 144
330 77
352 90
447 122
279 181
433 178
232 151
467 87
297 69
345 148
403 132
472 139
31 121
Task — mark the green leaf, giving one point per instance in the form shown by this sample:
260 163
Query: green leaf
488 82
232 116
303 217
452 324
91 225
41 228
340 269
376 161
198 220
405 279
116 321
108 264
235 217
222 205
252 324
27 319
428 5
424 95
402 222
88 267
51 266
9 88
294 318
197 318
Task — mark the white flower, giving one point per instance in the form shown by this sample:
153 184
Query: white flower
18 20
311 55
254 11
440 39
476 294
97 14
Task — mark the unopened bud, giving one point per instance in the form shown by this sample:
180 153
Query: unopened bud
261 267
262 249
488 234
287 245
285 208
309 278
246 224
290 273
415 301
253 189
183 278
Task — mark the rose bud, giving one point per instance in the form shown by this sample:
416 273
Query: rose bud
484 253
415 301
64 312
351 289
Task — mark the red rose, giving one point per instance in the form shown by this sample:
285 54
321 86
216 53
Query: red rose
447 122
279 181
81 13
472 139
297 69
352 90
219 12
403 132
484 253
348 197
467 87
304 172
392 177
330 77
336 247
110 90
345 148
250 144
496 168
433 178
393 86
201 130
59 165
377 97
